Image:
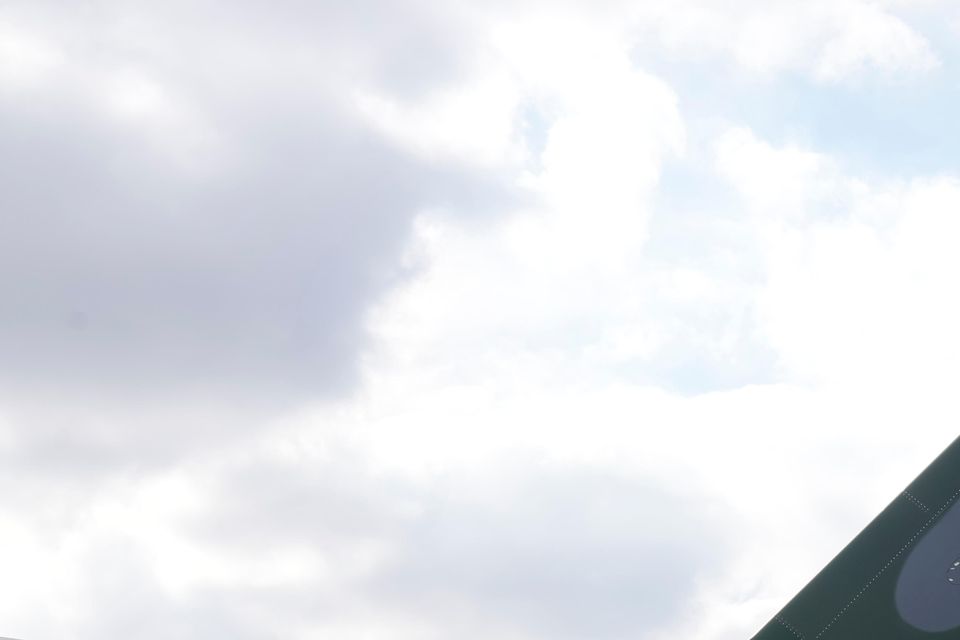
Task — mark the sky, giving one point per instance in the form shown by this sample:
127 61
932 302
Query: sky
430 319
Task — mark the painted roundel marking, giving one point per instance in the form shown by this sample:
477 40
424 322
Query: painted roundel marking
928 589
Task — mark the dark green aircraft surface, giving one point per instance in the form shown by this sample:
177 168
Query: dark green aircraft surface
898 580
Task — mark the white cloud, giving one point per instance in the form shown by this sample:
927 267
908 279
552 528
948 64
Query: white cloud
858 273
871 37
778 183
831 42
473 124
25 59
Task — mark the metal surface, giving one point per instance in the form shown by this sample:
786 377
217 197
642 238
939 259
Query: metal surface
898 580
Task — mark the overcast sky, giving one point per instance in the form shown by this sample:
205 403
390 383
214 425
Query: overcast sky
429 319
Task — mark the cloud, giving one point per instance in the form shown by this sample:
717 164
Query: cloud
556 554
830 42
826 312
173 227
421 320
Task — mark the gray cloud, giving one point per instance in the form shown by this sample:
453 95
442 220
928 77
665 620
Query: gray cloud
523 550
562 554
121 271
122 599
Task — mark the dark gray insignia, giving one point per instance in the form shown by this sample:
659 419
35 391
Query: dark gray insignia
928 590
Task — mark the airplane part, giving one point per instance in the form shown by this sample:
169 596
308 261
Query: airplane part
898 580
